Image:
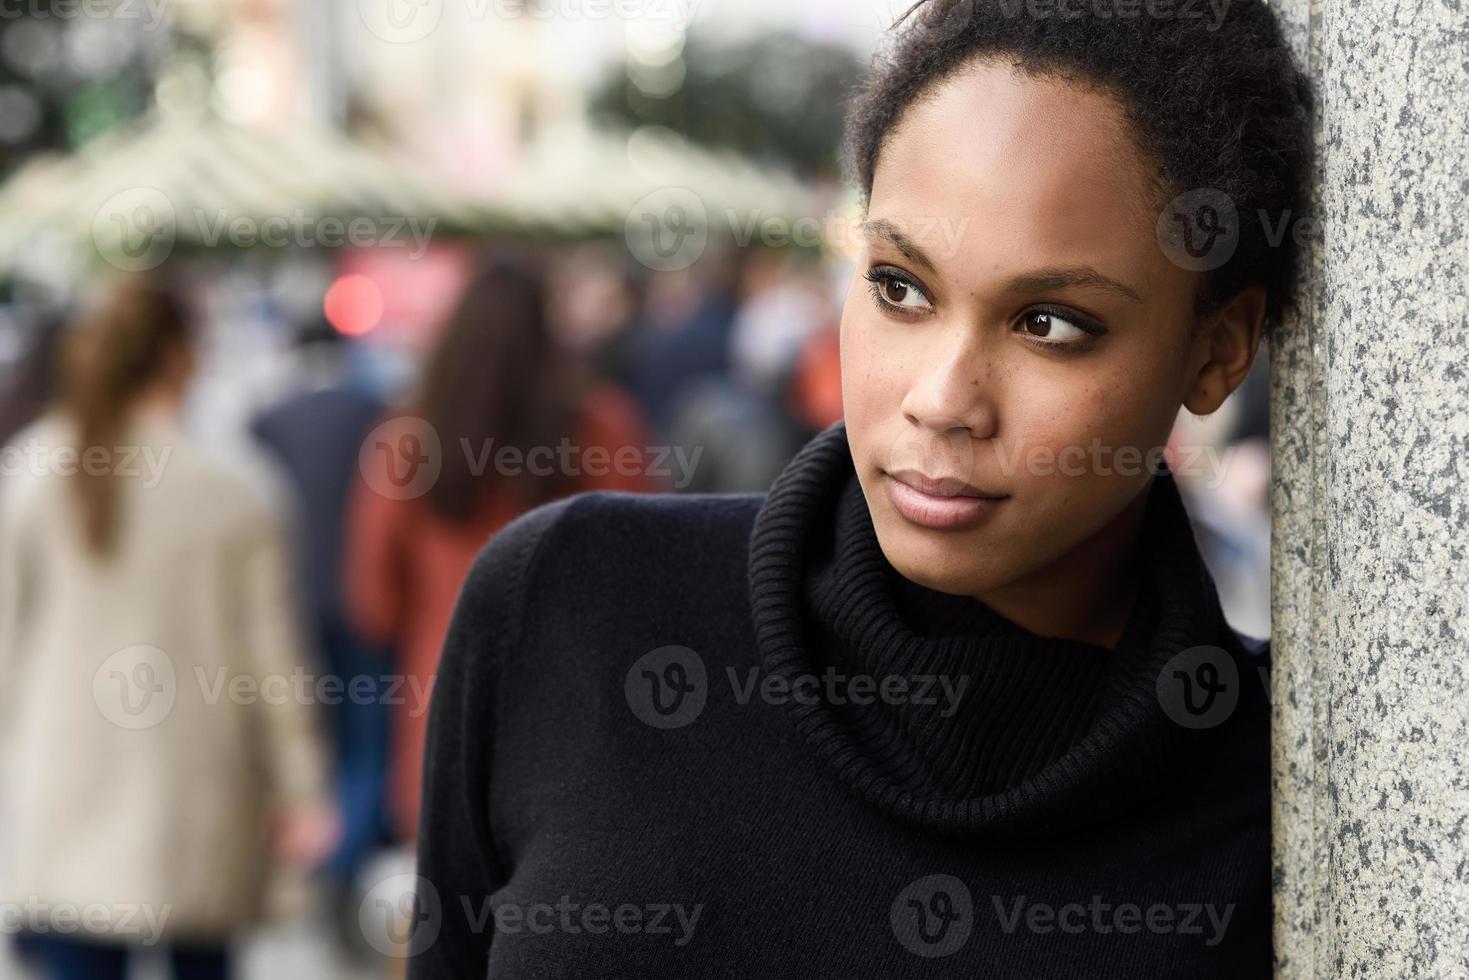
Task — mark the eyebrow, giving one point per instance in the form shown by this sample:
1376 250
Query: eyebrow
1038 281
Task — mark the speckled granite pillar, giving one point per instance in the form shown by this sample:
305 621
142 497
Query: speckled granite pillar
1370 580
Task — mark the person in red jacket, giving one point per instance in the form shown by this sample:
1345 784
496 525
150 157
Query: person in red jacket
503 420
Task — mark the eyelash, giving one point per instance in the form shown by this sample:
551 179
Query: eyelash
879 275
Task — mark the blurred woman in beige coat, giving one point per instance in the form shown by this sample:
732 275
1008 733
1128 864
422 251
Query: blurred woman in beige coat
158 738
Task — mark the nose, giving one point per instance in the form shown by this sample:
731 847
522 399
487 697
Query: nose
955 391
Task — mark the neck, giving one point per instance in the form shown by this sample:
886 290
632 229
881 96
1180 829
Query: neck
1088 593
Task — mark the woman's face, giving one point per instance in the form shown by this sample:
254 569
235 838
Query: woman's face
1013 325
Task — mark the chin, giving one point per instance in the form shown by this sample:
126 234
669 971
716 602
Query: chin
944 568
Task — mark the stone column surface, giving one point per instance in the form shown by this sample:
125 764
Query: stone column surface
1369 578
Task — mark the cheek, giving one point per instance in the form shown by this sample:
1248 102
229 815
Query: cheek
1076 430
872 387
1054 413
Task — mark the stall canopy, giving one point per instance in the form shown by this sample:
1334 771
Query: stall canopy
198 180
580 180
191 180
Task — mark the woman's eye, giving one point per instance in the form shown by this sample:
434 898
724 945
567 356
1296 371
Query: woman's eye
1053 327
896 291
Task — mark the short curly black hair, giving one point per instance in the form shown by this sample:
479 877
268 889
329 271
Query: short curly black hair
1217 102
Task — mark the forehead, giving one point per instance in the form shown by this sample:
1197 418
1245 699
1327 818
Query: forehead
1019 170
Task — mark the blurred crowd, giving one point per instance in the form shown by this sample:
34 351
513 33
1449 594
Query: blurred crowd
220 650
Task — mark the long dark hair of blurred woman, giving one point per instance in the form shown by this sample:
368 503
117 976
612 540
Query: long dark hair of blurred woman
498 374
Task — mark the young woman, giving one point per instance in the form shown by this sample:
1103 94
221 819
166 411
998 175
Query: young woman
141 582
956 697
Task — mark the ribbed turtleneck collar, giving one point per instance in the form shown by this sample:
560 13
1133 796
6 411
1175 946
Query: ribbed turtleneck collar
995 728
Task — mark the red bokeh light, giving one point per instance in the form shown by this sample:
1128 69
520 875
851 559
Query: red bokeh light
353 305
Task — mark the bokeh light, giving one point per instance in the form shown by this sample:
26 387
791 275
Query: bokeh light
353 305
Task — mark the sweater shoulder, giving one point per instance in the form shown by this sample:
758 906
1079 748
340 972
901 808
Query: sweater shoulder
618 527
666 517
594 543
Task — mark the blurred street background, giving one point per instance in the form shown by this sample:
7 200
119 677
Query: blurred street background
400 237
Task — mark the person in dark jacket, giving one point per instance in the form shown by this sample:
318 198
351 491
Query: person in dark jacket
956 696
315 433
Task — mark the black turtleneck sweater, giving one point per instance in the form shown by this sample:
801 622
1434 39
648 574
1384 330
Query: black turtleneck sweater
720 736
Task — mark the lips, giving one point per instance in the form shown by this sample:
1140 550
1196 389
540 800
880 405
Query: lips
946 486
940 503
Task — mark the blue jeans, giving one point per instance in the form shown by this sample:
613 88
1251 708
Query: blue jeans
359 728
63 958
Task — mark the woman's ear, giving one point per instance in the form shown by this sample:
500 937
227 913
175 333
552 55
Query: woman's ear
1225 349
